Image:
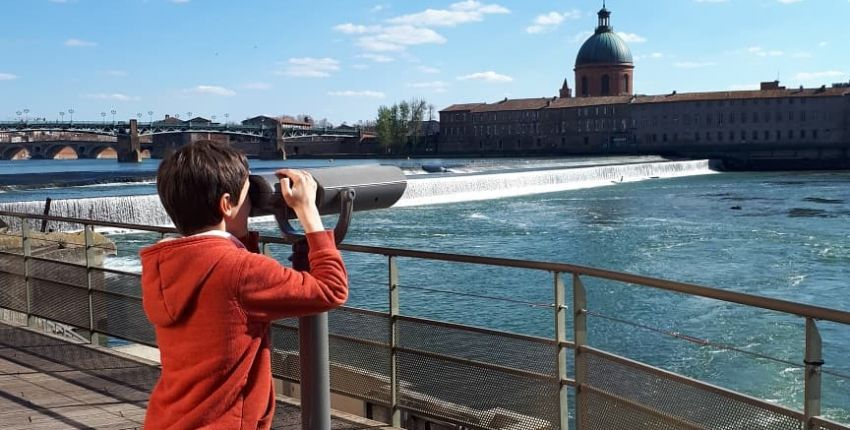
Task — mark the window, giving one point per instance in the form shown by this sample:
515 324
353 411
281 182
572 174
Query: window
778 135
814 134
584 89
766 135
790 134
755 135
626 83
606 85
802 134
708 136
720 136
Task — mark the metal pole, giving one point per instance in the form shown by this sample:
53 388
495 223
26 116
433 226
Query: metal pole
561 339
314 358
315 374
580 337
27 250
395 411
813 361
88 234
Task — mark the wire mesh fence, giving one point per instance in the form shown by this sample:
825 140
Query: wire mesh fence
469 376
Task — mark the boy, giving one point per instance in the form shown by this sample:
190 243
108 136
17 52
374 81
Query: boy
211 297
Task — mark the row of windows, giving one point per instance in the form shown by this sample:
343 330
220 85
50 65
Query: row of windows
732 136
534 114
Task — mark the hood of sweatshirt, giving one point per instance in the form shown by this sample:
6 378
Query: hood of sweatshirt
173 273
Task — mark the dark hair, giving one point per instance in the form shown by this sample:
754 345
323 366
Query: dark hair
191 181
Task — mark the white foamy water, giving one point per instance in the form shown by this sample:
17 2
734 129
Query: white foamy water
422 190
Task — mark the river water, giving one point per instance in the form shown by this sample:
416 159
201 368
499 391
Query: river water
780 235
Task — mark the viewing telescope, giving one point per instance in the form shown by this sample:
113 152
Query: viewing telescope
340 190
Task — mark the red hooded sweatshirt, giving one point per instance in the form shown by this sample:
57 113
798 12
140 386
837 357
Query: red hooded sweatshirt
211 302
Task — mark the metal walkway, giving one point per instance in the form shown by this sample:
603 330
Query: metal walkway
50 383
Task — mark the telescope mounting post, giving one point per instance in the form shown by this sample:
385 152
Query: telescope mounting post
313 330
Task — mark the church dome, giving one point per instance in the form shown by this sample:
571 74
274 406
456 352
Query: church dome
604 47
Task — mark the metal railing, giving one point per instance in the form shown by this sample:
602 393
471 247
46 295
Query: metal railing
445 372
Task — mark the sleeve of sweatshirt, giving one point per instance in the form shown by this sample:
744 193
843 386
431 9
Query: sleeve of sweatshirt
267 290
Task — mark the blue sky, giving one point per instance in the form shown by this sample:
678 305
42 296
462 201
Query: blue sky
340 60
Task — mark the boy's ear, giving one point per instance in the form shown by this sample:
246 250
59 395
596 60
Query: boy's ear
225 205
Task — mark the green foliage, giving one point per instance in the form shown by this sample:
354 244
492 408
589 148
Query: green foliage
399 126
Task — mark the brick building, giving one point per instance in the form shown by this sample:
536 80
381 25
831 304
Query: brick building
605 117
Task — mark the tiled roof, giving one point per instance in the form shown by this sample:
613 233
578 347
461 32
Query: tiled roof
572 102
461 107
515 104
740 95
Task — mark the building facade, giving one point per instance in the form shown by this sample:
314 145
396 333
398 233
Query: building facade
605 117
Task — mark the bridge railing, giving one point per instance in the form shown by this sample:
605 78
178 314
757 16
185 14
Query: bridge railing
408 368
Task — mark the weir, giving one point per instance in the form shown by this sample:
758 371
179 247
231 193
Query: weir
147 210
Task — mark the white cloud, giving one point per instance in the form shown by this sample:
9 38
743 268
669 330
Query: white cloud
310 67
378 58
428 69
8 77
761 52
180 1
819 76
694 64
489 76
652 56
824 43
435 86
802 54
211 90
117 73
631 37
551 21
349 28
377 8
350 93
457 13
360 66
397 38
78 43
117 97
257 86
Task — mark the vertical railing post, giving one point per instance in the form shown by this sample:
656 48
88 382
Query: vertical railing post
561 339
26 247
580 338
88 240
395 411
813 361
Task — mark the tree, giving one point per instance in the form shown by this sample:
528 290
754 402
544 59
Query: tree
399 126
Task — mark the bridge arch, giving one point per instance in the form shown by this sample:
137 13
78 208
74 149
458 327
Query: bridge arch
16 152
101 152
59 152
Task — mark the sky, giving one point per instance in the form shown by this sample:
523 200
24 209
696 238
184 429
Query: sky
341 60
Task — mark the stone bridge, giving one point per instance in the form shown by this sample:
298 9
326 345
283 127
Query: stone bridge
122 139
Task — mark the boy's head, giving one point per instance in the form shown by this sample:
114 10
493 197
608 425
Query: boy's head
192 181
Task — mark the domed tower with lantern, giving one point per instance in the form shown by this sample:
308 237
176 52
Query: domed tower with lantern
604 64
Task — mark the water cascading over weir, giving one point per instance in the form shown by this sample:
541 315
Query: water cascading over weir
421 190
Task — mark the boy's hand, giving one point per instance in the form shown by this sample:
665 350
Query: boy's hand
299 193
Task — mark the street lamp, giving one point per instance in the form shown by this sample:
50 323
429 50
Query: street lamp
19 115
139 116
71 112
62 115
26 115
113 112
226 119
103 116
150 116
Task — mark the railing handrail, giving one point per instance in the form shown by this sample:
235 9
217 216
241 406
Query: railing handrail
785 306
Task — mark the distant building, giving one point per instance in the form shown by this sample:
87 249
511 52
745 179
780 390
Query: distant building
604 116
287 122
